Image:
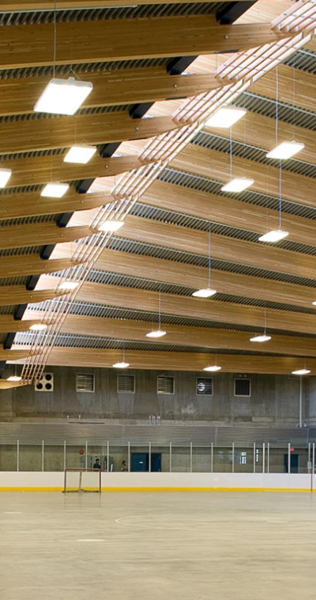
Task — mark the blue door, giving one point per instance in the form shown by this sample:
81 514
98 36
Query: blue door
139 461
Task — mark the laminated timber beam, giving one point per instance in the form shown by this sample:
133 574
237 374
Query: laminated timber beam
8 385
177 361
37 234
29 204
17 266
215 165
127 39
13 295
177 273
256 255
14 355
39 5
60 132
212 310
197 337
132 86
38 169
296 87
9 323
228 211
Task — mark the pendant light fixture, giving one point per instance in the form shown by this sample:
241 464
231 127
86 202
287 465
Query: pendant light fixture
110 225
236 184
62 96
208 291
5 175
276 235
263 337
157 333
123 364
284 150
226 117
301 372
80 154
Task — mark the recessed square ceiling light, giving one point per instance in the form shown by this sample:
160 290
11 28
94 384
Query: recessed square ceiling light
286 150
68 285
204 293
239 184
5 175
225 117
276 235
80 154
63 96
55 190
111 225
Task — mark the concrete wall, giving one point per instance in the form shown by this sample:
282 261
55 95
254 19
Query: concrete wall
162 481
274 399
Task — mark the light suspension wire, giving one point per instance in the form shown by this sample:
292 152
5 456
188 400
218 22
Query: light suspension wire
209 258
280 195
55 38
277 106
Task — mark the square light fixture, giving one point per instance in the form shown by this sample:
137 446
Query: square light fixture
212 369
55 190
111 225
63 96
5 175
276 235
121 365
204 293
38 327
14 378
239 184
68 285
156 334
261 338
80 154
301 372
286 150
225 117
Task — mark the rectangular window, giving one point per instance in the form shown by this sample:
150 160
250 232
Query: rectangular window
85 383
242 387
204 386
165 384
125 384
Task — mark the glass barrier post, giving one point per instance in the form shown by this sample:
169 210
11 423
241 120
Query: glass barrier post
263 457
43 455
65 455
289 459
86 457
254 457
107 456
233 457
129 456
268 457
17 455
170 457
191 457
149 457
313 467
212 457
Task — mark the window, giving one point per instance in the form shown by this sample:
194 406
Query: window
165 384
204 386
242 387
85 383
242 458
126 384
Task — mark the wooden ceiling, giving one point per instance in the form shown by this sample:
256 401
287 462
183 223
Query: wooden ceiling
143 61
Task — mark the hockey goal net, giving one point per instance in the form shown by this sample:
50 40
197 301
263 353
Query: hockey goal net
82 480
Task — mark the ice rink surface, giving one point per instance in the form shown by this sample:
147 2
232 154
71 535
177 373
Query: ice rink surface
157 546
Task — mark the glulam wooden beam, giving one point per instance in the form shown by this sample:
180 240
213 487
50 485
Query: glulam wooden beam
127 39
296 87
19 236
197 337
8 323
62 132
30 264
177 273
19 96
212 310
12 295
39 5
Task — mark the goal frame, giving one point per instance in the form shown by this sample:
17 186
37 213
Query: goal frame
80 489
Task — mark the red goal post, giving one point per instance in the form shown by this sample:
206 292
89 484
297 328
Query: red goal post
82 480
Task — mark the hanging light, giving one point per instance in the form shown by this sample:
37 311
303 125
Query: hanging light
286 150
225 117
276 234
212 369
238 184
301 372
261 338
55 190
14 378
208 291
111 225
157 333
63 96
123 364
68 285
38 327
80 154
5 175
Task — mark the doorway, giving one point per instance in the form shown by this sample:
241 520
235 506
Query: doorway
140 462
